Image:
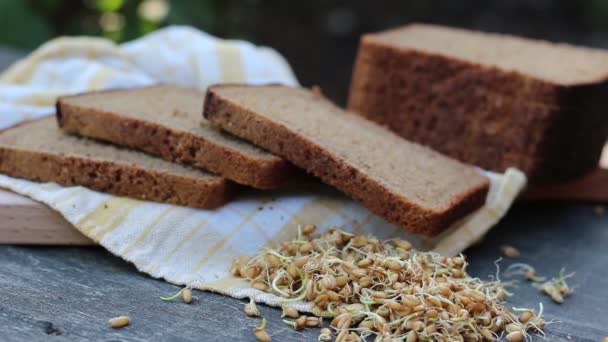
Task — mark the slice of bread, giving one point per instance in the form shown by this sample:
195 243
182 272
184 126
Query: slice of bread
405 183
165 120
39 151
491 100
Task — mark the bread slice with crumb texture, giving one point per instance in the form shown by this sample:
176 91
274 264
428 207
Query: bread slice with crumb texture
39 151
165 120
405 183
492 100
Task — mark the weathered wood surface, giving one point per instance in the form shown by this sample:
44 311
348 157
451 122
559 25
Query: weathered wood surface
73 291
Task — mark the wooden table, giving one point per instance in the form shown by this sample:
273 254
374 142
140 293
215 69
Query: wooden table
71 292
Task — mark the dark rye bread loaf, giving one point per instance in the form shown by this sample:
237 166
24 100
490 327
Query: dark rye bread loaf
165 120
39 151
491 100
403 182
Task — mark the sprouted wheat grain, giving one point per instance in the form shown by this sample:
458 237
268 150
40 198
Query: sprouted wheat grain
187 295
509 251
325 335
557 288
119 322
251 309
260 332
385 290
174 296
290 312
528 271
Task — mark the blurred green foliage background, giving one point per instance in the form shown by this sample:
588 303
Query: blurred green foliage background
27 24
318 37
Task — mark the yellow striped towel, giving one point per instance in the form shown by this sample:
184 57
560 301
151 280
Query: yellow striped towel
185 245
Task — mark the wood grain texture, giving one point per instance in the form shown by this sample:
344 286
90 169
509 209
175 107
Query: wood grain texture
24 221
73 291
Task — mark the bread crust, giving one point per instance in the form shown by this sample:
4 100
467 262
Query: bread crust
115 177
173 145
500 118
312 157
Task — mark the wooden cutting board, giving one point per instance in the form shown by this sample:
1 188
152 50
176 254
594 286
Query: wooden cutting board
24 221
593 187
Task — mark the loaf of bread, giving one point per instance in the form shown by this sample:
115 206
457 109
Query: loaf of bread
491 100
405 183
165 120
39 151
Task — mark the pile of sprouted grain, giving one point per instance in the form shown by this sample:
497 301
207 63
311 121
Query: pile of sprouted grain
386 290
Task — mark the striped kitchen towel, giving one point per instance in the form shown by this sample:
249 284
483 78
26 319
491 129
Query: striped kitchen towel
185 245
